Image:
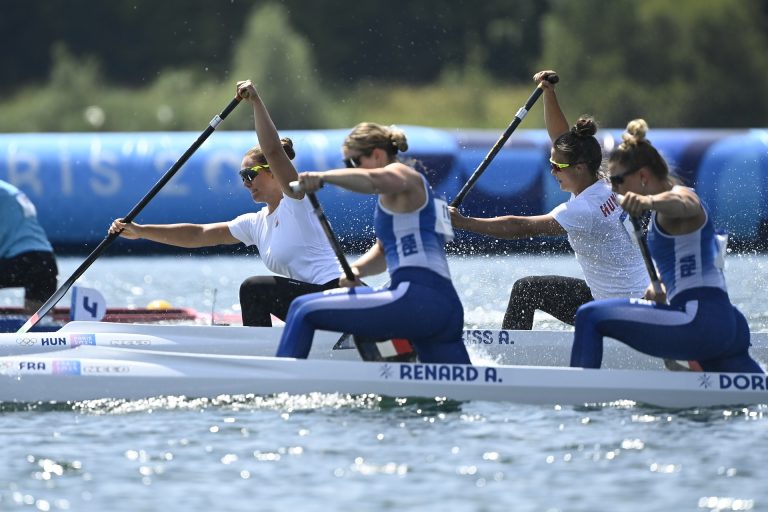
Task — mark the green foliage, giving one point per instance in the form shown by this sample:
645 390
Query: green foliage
279 61
76 98
414 42
61 104
444 105
685 63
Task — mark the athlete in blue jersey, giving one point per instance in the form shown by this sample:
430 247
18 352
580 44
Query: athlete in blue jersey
26 256
411 226
699 323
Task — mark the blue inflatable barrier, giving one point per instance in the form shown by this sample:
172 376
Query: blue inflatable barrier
81 181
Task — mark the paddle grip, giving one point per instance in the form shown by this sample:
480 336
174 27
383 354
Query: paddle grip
296 187
552 78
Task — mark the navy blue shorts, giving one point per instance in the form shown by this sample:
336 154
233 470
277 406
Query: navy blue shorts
35 271
419 305
700 325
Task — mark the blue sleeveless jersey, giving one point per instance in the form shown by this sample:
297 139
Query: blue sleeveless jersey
412 239
419 304
686 261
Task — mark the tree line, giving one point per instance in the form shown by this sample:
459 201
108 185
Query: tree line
143 64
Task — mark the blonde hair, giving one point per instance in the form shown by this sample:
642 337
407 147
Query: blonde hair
635 151
365 137
635 132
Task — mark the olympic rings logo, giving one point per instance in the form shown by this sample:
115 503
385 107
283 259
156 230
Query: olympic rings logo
26 342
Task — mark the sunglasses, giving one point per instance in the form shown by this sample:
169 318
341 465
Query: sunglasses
557 166
352 162
249 173
619 178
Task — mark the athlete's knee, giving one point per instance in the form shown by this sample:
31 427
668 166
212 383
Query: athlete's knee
256 284
293 309
245 289
526 287
742 329
303 305
587 313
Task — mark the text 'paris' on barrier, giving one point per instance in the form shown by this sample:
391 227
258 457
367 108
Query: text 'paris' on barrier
80 182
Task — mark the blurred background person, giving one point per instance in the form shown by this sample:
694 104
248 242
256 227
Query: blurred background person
26 256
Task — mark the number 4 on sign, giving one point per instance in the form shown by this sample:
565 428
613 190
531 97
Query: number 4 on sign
87 304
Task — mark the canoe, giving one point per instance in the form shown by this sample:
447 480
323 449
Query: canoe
486 346
92 360
95 372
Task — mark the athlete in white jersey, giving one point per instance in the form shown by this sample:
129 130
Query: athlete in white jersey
287 234
699 324
420 303
592 219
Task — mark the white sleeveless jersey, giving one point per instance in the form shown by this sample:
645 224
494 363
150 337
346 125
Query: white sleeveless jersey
290 240
611 261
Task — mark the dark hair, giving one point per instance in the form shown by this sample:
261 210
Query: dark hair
365 137
257 154
636 151
580 145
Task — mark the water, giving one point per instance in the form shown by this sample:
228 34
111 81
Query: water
332 452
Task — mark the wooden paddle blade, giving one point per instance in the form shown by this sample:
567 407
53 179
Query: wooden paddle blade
396 350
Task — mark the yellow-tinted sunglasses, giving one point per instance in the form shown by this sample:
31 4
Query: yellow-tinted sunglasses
250 173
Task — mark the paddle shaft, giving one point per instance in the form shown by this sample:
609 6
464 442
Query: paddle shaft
58 294
553 79
643 244
331 236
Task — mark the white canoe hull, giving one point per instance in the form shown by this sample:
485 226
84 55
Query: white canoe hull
494 347
93 372
87 360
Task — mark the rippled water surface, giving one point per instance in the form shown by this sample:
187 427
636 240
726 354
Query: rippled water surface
333 452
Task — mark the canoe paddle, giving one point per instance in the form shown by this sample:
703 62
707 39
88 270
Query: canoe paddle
58 294
370 349
642 243
519 116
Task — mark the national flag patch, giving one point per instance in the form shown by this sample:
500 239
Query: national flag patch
66 367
